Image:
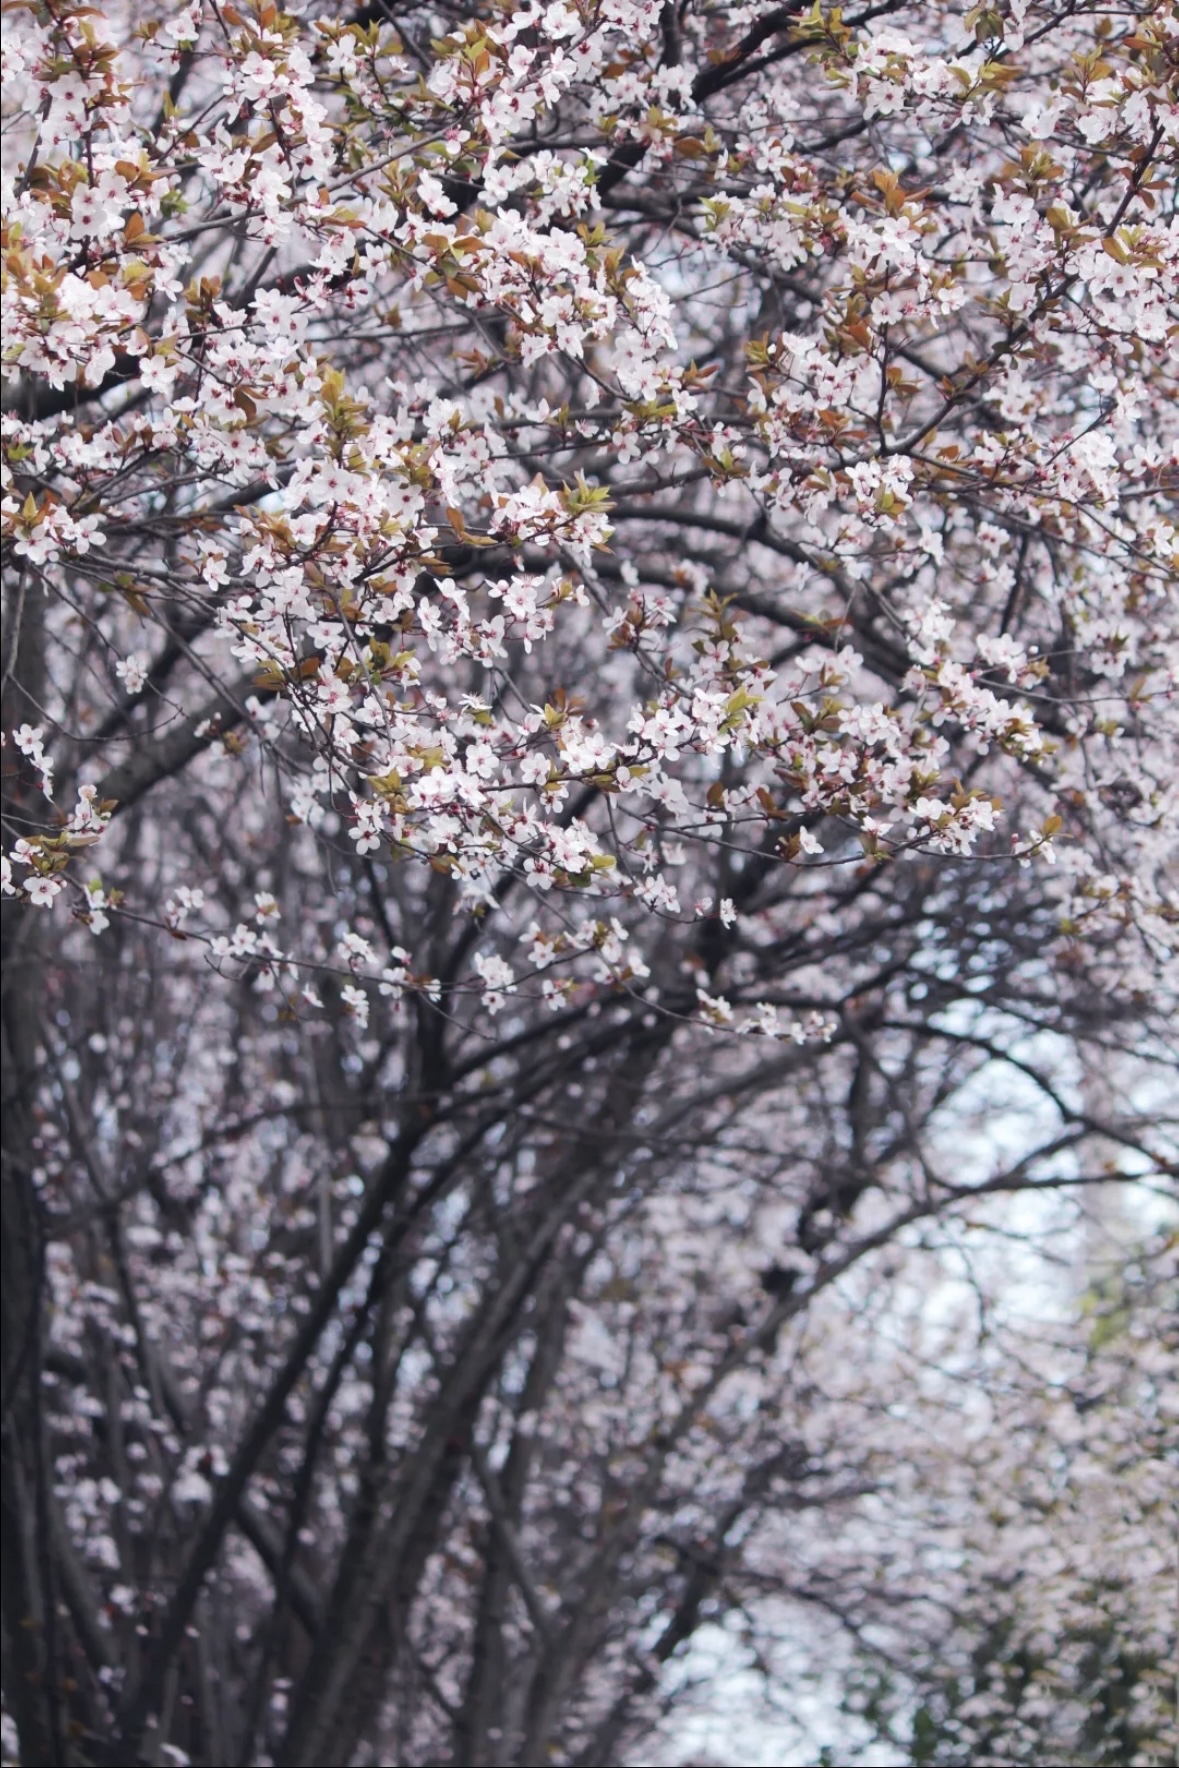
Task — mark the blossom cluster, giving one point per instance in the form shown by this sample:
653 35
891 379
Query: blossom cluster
380 459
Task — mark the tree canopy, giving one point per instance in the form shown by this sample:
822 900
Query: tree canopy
589 796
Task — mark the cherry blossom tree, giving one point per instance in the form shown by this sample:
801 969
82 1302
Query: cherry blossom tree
589 757
1004 1592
